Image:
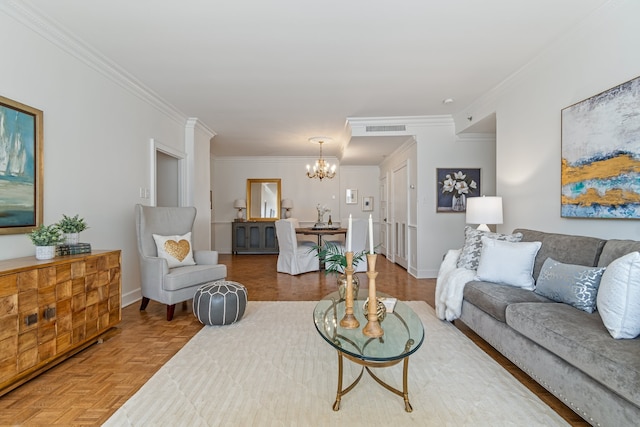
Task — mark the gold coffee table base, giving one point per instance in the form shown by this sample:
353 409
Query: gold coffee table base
370 364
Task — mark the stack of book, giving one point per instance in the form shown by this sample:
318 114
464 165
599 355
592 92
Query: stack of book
78 248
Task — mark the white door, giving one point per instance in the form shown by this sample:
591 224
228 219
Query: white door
384 219
400 216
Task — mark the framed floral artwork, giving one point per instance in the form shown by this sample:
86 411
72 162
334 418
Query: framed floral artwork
20 167
454 186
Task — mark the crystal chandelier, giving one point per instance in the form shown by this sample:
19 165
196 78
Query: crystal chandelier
321 169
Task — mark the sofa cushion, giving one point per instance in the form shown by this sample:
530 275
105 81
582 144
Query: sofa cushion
509 263
576 285
472 245
615 249
619 297
581 339
493 298
566 248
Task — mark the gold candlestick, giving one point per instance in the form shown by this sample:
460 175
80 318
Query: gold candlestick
372 328
349 321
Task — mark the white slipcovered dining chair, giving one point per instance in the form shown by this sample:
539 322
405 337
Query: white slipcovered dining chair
295 257
359 230
159 282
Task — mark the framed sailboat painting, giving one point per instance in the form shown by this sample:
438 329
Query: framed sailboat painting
21 171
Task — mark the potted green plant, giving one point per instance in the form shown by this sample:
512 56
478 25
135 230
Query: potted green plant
45 238
335 262
71 227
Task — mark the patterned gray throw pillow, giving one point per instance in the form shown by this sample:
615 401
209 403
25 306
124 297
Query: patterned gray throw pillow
473 244
576 285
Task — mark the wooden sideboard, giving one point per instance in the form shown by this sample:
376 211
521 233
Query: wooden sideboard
254 237
51 310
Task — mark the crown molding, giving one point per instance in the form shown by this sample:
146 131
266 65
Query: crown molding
53 32
196 124
476 137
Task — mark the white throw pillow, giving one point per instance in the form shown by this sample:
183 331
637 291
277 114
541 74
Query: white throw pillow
508 263
177 250
618 299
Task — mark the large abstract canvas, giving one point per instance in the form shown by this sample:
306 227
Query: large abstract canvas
20 167
601 155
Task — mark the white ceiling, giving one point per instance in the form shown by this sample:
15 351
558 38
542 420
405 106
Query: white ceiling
268 75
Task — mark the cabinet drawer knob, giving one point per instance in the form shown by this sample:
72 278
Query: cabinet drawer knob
50 313
30 319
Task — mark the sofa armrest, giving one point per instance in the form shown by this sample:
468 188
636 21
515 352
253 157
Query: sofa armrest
206 257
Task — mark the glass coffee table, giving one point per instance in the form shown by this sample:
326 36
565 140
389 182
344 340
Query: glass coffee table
403 335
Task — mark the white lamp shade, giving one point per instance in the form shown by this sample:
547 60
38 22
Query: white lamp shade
287 204
484 210
240 204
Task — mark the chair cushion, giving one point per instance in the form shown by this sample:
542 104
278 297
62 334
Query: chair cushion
220 303
177 250
191 275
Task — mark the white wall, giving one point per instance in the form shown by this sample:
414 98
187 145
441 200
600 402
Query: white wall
201 175
96 141
229 180
431 234
600 54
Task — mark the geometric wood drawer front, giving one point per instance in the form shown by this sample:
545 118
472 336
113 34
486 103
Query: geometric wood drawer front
50 310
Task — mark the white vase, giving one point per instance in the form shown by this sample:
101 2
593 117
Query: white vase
45 252
71 238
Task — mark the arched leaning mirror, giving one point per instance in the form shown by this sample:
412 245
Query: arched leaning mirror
263 199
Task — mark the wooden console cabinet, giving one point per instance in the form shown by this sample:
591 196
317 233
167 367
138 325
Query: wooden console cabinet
50 310
254 237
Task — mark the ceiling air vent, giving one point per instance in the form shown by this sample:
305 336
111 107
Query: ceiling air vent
390 128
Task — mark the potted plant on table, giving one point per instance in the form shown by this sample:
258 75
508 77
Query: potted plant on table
71 227
45 238
335 262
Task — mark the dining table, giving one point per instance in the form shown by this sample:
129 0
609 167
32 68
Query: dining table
321 231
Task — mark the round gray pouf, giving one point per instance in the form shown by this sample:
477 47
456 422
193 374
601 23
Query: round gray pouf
220 303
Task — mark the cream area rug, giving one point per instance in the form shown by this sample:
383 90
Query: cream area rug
273 369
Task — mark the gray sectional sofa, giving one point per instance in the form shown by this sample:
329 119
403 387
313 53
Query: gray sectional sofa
568 351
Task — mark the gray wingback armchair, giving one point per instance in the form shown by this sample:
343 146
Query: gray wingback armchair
159 282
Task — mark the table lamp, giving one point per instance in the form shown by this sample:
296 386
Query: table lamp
240 204
287 205
484 210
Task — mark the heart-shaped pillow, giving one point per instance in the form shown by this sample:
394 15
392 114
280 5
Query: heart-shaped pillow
176 250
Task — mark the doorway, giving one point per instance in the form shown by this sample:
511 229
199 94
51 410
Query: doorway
167 175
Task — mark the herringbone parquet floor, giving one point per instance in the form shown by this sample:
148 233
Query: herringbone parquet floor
89 387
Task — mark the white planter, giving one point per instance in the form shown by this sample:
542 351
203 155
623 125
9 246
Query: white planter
45 252
71 238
